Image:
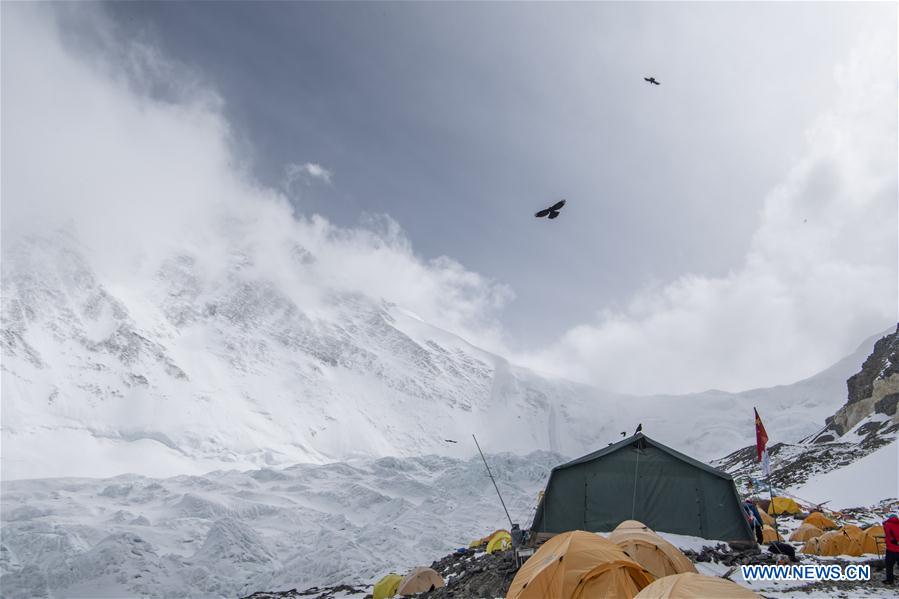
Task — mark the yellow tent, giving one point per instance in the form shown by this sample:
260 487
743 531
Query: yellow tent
783 505
853 531
420 580
876 529
695 586
806 532
487 539
500 541
579 565
632 524
386 587
835 542
870 540
769 535
651 551
820 520
812 546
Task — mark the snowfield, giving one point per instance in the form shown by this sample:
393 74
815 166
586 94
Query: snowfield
231 533
861 483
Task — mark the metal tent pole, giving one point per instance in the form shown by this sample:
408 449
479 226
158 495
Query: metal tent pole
494 482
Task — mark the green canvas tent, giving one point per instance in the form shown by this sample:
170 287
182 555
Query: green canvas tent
641 479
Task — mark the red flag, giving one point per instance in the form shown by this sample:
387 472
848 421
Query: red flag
761 437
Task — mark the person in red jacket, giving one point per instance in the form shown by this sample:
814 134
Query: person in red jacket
891 533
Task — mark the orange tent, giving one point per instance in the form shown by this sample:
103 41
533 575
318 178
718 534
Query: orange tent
651 551
835 542
579 565
420 580
853 531
766 519
820 520
695 586
806 532
870 542
769 535
632 524
812 546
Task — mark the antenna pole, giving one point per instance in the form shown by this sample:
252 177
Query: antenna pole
492 479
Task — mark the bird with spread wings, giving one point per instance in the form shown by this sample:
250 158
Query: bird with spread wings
552 211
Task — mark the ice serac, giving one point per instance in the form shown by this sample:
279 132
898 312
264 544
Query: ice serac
229 533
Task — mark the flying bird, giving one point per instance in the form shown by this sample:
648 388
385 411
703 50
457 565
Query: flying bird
651 80
552 211
450 441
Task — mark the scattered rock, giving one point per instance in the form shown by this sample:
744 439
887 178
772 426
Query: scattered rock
311 593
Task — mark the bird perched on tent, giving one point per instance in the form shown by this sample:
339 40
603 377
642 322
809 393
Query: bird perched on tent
624 433
651 80
639 428
552 211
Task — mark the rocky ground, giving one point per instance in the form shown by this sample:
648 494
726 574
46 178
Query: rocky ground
341 590
475 574
797 463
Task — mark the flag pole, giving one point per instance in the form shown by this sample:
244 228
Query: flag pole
771 495
761 445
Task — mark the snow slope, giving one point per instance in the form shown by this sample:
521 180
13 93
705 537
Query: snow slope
192 370
861 483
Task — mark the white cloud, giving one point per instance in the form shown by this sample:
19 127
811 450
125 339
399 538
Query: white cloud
306 173
821 267
138 178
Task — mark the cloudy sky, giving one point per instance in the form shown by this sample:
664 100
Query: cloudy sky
734 227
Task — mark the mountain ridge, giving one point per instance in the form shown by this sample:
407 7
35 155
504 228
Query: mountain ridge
195 370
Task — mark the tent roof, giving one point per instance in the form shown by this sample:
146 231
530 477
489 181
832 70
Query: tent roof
651 442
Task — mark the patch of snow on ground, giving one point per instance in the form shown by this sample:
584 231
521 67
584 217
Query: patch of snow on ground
864 482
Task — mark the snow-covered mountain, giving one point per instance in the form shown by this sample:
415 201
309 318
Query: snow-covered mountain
860 435
192 374
191 370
